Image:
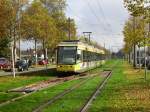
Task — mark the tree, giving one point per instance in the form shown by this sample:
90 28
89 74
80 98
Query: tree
38 25
56 9
45 21
55 6
137 8
4 47
134 34
5 14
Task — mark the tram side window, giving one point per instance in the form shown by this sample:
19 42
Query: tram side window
79 56
88 56
92 55
102 57
97 57
85 56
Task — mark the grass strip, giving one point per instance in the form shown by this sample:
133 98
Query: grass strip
7 83
73 101
29 103
107 66
126 91
7 96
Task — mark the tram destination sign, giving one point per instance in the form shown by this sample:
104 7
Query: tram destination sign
69 48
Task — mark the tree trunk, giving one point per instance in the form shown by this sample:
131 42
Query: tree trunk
14 50
44 49
130 56
134 56
139 58
35 51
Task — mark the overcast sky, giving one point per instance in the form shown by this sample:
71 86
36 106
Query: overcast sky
105 18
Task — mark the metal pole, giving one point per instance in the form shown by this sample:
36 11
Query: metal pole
19 20
145 77
134 46
145 73
46 57
35 52
13 62
140 58
89 55
89 36
69 20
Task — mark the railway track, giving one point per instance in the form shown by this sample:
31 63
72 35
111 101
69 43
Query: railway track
106 74
57 97
30 89
97 91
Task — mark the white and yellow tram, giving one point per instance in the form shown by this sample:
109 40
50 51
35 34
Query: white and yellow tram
76 56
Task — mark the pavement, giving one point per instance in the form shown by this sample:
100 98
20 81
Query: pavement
31 70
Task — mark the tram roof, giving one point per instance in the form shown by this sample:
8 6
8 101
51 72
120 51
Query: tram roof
82 45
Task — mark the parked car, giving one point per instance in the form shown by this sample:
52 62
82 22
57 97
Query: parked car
22 65
43 62
5 64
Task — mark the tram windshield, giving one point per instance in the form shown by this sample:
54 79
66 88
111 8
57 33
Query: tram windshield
67 55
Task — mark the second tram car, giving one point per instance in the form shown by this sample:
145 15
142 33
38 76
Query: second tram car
76 56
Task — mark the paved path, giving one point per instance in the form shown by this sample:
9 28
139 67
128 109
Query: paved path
31 70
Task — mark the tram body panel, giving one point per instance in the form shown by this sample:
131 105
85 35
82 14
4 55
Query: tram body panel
77 57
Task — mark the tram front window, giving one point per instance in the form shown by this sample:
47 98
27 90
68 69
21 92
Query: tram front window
67 55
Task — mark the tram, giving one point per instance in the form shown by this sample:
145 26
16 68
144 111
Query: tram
76 56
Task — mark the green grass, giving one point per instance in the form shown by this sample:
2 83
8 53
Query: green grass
73 101
6 96
126 91
31 102
14 83
107 66
8 82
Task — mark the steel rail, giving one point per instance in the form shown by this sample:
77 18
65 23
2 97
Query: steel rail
29 93
96 92
60 95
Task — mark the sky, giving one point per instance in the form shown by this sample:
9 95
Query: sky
104 18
